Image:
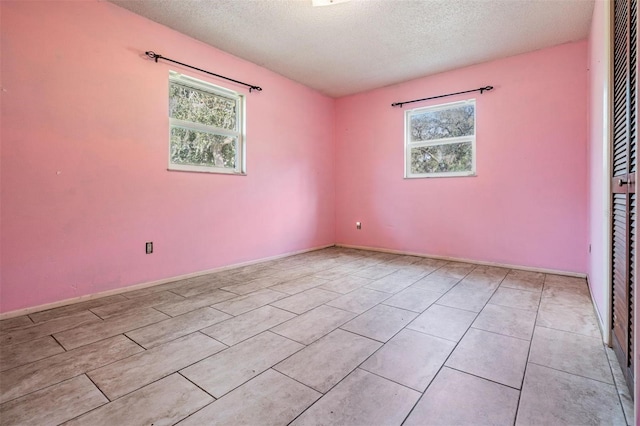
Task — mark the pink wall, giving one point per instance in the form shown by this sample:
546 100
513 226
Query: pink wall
527 206
598 201
84 153
84 145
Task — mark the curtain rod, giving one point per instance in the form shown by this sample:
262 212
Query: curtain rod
157 56
481 90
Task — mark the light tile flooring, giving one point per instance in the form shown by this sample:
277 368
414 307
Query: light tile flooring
335 336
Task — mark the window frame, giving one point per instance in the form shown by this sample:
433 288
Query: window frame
409 145
240 132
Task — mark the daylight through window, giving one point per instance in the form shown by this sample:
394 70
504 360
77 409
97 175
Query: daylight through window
440 140
206 127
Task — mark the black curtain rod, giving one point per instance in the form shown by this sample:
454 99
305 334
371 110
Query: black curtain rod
482 89
157 56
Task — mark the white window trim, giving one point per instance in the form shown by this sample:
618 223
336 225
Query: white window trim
408 144
241 158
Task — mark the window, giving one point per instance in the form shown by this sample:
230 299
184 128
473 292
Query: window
440 140
206 127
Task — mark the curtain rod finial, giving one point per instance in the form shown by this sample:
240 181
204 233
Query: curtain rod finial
152 55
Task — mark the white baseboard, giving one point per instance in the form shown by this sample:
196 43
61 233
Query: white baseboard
47 306
460 259
606 335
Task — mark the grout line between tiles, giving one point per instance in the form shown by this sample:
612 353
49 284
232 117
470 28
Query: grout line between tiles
199 409
573 374
461 338
95 408
615 382
292 378
198 386
526 366
136 343
455 307
76 375
248 380
43 388
60 344
99 390
320 337
481 377
393 381
323 394
350 371
303 346
247 338
432 335
520 288
567 331
114 335
501 334
158 379
514 307
448 356
89 309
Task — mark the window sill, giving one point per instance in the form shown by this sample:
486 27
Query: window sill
443 175
195 169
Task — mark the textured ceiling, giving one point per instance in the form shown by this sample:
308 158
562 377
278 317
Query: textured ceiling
364 44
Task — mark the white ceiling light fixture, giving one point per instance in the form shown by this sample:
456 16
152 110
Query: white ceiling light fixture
326 2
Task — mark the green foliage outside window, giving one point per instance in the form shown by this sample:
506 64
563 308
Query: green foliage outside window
201 107
454 157
429 132
202 147
194 148
444 123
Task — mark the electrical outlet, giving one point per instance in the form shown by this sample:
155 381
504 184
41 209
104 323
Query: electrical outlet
358 225
149 247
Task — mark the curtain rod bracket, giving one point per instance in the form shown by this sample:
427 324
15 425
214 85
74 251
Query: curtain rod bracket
152 55
481 90
155 56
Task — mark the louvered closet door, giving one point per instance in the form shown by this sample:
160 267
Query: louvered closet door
624 205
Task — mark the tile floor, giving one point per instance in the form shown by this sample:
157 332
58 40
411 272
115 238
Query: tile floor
334 336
